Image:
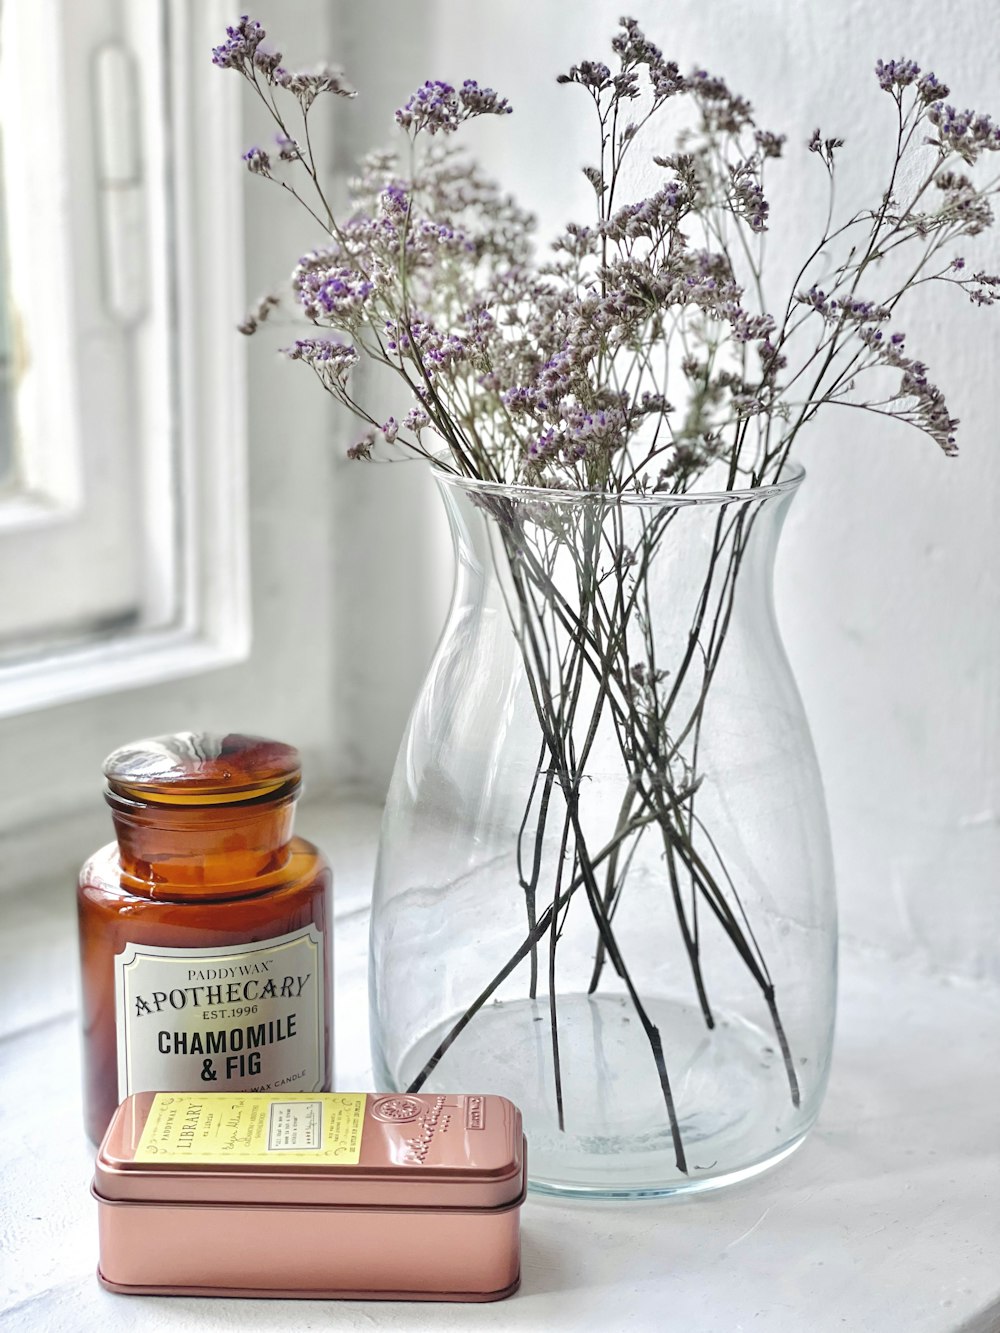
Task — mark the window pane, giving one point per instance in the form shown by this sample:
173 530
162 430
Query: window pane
120 303
8 362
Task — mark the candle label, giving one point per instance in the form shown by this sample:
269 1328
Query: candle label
245 1018
212 1128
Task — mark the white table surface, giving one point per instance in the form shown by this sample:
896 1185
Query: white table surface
886 1220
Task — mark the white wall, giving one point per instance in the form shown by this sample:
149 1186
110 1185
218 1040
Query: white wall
889 577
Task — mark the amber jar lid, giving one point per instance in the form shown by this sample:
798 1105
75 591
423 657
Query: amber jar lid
202 768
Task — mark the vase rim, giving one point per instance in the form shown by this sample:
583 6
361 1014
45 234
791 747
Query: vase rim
790 481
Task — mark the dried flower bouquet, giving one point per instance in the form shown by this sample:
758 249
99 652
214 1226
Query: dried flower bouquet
633 356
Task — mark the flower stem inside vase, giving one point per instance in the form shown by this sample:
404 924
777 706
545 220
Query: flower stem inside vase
589 655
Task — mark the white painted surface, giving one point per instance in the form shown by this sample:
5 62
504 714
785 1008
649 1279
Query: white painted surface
885 1221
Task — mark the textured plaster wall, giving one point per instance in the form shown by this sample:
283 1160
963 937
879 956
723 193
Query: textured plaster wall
888 583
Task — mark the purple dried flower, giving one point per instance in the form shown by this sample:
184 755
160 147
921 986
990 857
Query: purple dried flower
931 89
838 310
633 46
258 162
390 430
326 351
988 290
929 411
894 75
723 112
596 178
259 314
626 85
650 404
691 457
546 446
437 108
419 340
747 405
577 241
592 74
267 62
825 147
555 379
749 328
746 198
328 289
288 149
966 133
242 40
395 201
771 361
332 360
816 298
963 203
416 420
863 312
478 101
307 85
520 400
433 107
770 145
594 436
652 218
667 80
479 325
364 446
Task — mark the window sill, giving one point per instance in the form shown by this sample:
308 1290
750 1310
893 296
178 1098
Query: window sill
884 1220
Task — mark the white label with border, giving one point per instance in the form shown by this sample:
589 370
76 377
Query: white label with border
237 1018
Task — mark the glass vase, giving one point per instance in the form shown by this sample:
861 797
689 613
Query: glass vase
604 884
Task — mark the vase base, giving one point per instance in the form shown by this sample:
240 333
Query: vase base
680 1185
733 1105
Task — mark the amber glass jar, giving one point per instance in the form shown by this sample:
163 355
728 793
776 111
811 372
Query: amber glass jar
204 929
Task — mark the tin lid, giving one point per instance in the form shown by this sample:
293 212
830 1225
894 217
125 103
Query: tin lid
423 1150
201 768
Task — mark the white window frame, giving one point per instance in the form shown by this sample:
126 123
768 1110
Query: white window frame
190 519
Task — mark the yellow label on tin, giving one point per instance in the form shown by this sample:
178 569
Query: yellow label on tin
258 1128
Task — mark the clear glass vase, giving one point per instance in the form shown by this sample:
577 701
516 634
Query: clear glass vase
604 885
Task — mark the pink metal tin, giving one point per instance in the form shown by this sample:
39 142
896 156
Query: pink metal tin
429 1209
